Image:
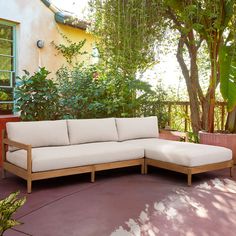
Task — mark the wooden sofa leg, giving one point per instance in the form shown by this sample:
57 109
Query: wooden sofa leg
93 176
143 168
189 179
29 185
231 169
4 173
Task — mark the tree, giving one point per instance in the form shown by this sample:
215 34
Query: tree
126 33
200 23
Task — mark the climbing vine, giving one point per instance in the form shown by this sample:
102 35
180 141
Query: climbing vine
71 50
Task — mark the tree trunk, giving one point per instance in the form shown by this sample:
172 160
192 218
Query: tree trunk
205 110
213 46
190 78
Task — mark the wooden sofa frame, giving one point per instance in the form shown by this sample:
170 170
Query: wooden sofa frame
189 170
30 176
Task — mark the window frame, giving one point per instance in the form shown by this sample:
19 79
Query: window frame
14 58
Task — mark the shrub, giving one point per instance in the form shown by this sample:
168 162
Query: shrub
80 95
88 92
36 96
92 92
155 106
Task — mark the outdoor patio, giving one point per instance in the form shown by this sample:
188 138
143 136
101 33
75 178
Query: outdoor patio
117 118
123 202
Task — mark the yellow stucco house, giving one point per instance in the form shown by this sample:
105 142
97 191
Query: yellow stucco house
24 25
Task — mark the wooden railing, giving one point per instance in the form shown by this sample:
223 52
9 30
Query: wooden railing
183 114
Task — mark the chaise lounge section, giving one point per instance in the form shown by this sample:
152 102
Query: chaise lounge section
187 158
46 149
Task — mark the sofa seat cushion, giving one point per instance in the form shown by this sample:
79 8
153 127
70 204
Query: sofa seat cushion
38 133
135 128
92 130
182 153
52 158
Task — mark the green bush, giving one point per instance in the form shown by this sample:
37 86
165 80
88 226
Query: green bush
80 95
36 96
155 106
106 89
91 92
87 92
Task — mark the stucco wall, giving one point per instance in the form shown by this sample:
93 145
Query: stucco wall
35 21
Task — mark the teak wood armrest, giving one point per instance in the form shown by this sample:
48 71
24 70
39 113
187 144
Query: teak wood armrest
16 144
26 147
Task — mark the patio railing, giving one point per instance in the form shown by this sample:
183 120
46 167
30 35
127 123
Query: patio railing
179 115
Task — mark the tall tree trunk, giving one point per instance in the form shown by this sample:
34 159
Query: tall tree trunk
213 46
190 78
211 103
205 110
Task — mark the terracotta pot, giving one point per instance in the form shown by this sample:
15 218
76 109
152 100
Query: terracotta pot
219 139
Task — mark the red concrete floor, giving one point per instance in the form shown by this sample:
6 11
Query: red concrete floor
125 203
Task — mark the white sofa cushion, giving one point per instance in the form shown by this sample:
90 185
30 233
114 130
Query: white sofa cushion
135 128
52 158
92 130
38 133
182 153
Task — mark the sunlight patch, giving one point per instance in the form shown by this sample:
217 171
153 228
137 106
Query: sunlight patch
218 184
174 210
204 186
231 185
121 232
171 213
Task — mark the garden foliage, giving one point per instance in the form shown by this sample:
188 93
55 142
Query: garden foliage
71 50
129 30
37 96
92 92
8 207
87 92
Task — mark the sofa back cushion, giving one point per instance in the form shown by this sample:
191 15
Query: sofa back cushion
38 133
135 128
92 130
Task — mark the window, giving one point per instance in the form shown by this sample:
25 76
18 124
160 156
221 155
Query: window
7 66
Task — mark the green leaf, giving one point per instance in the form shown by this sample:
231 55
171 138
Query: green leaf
8 207
227 62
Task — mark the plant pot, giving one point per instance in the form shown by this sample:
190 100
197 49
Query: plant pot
219 139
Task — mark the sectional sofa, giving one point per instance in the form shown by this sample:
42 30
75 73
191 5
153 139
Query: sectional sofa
46 149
